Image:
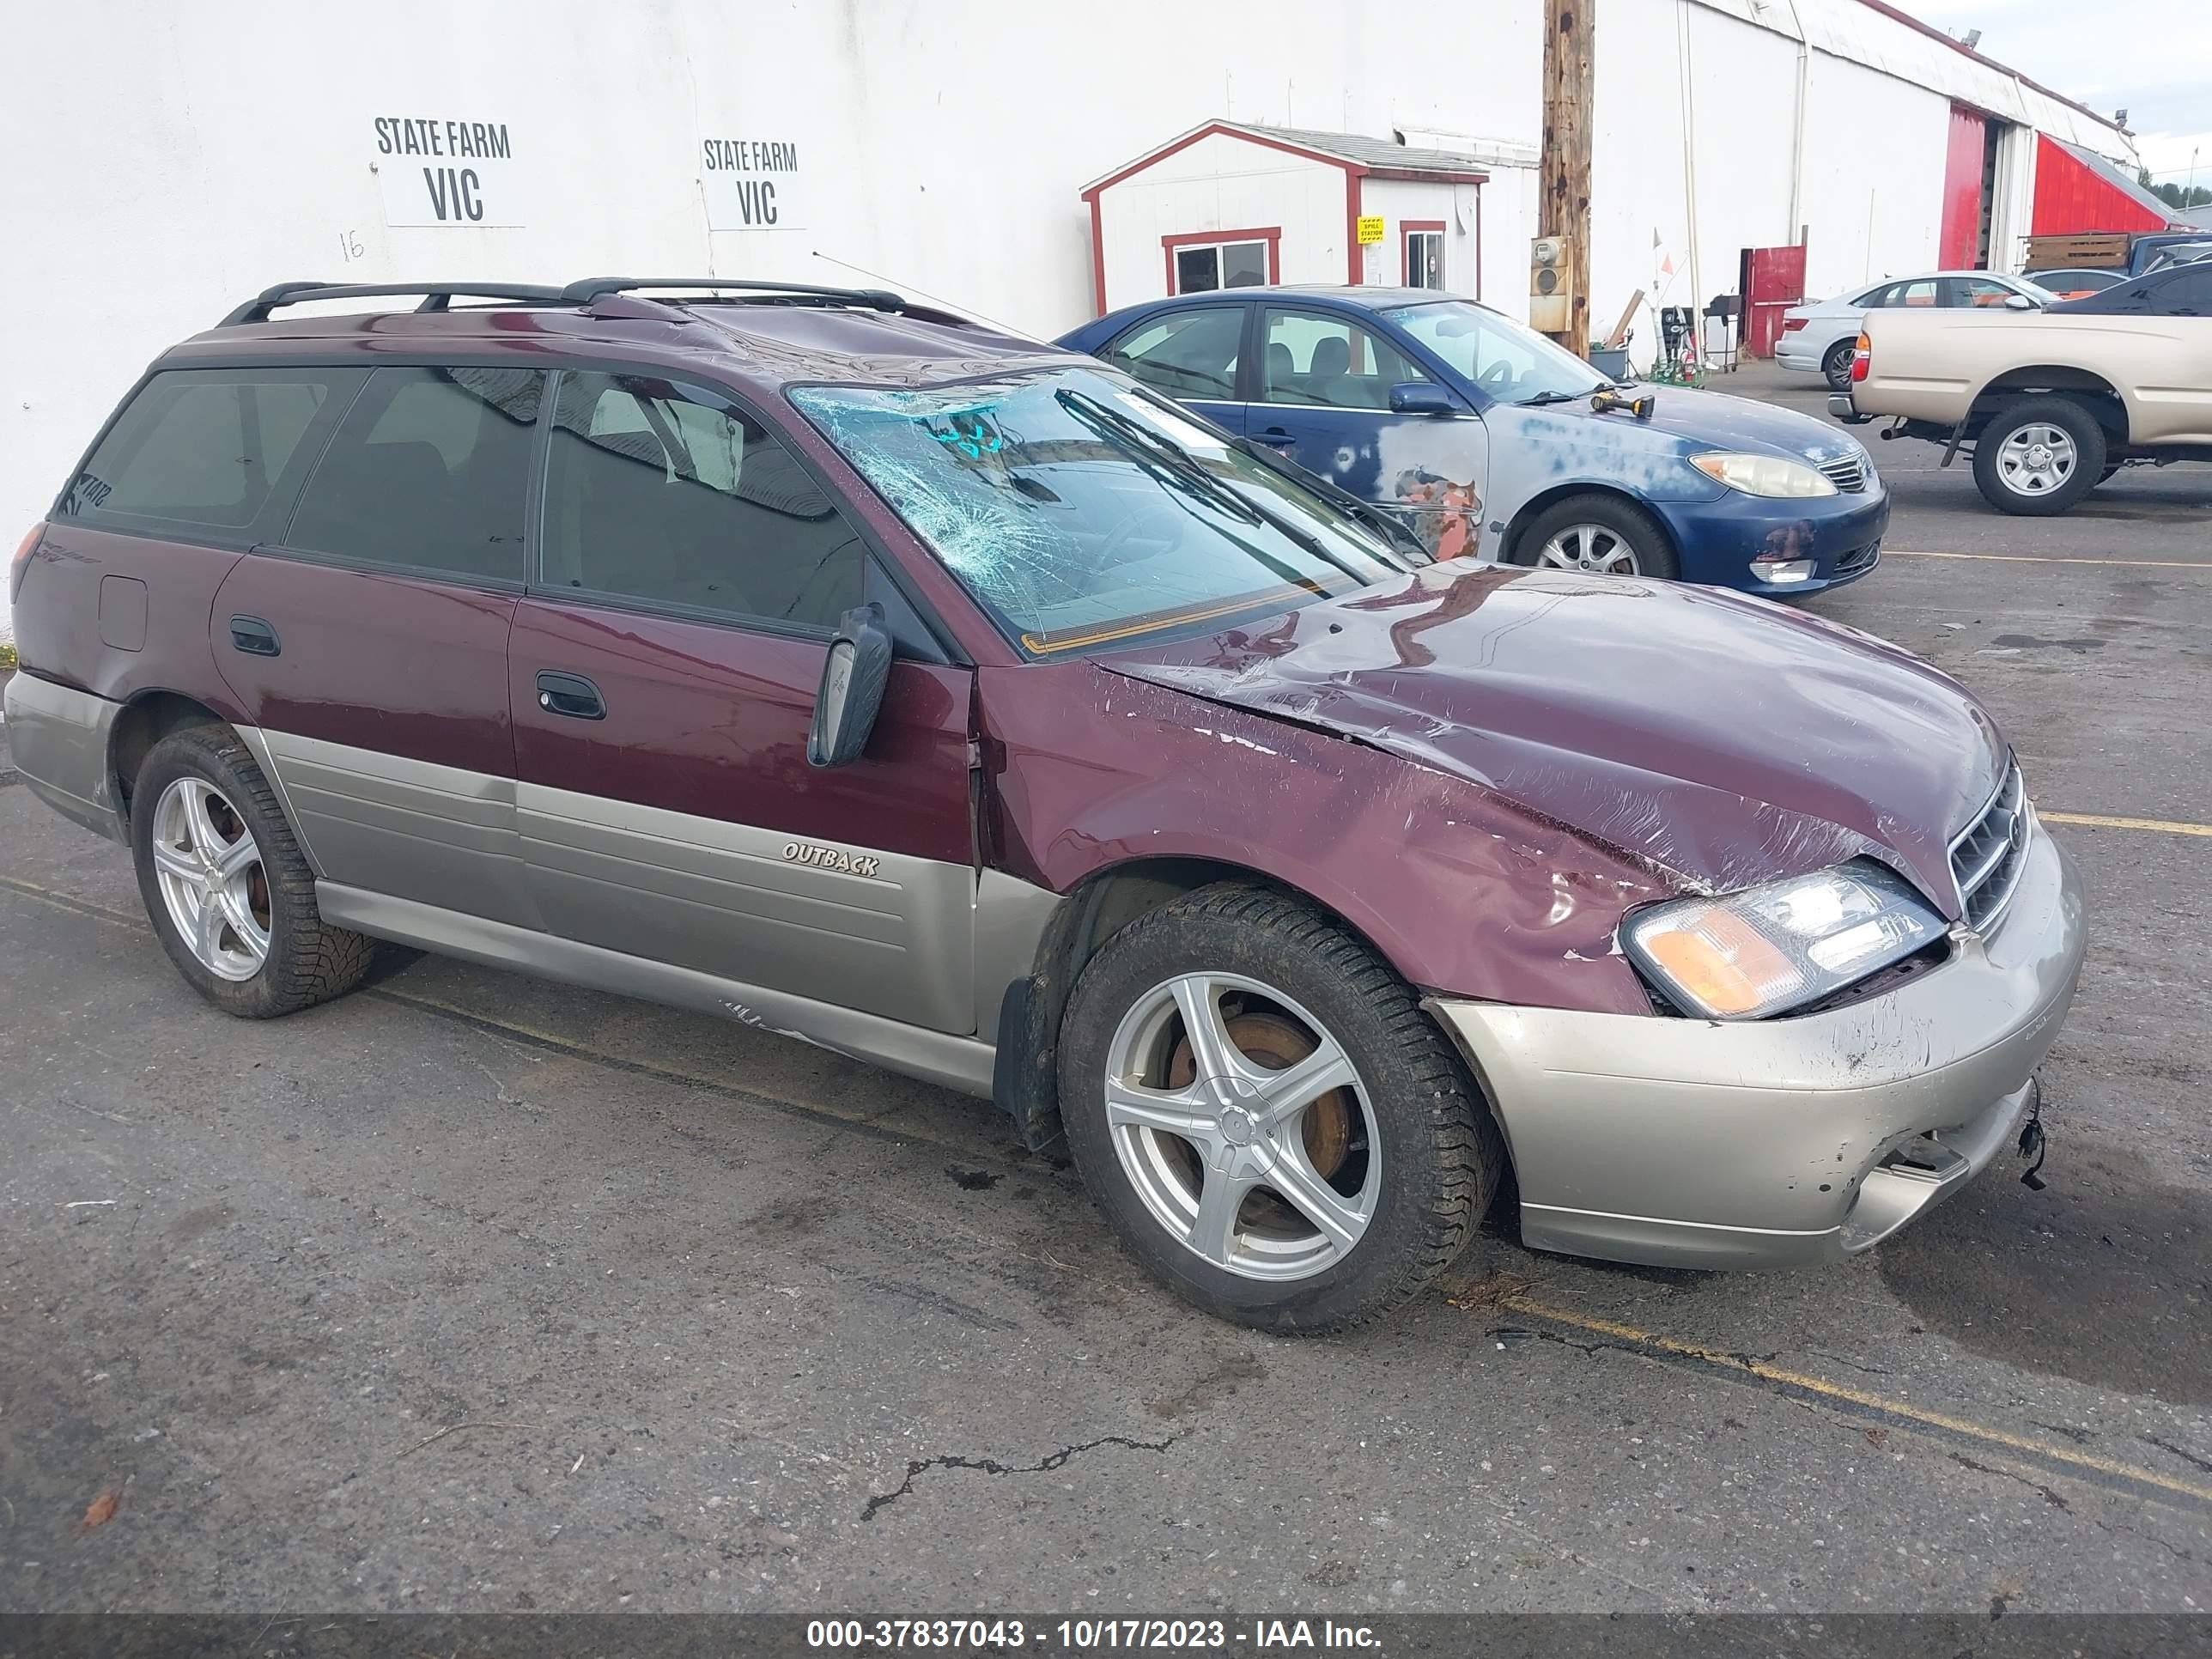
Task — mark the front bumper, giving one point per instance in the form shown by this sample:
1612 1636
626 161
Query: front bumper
58 739
1690 1143
1721 539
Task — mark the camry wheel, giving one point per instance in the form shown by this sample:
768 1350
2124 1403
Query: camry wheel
1597 534
1272 1124
229 893
2038 455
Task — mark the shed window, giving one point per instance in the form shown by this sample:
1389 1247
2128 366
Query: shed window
1201 268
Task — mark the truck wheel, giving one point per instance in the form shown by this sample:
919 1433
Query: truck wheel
1836 365
2038 455
230 894
1269 1119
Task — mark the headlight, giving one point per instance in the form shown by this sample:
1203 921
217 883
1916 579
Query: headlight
1762 474
1757 952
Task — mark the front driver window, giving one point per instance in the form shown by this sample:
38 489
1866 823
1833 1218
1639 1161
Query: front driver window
1327 362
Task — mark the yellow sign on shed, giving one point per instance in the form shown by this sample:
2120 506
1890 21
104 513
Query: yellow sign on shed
1370 229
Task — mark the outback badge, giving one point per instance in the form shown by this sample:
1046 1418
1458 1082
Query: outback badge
830 858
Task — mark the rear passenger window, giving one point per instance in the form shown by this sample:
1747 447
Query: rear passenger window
429 469
207 451
669 496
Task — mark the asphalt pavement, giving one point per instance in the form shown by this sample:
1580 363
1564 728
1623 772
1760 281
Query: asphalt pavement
472 1292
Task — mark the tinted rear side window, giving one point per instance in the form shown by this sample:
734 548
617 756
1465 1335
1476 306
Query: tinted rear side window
209 453
429 469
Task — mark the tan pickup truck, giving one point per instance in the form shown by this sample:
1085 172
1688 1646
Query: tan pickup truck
2050 400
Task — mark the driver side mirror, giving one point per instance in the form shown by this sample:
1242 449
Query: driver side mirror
1421 397
851 691
2018 302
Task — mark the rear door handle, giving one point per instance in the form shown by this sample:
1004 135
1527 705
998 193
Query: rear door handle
254 637
571 695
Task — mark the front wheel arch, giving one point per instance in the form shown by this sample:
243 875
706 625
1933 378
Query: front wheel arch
1538 505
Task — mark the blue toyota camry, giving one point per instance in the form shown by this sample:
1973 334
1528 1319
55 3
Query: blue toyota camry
1492 441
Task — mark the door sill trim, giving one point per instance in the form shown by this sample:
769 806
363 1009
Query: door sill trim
961 1063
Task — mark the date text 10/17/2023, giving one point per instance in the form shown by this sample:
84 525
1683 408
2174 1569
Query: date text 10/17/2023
1257 1636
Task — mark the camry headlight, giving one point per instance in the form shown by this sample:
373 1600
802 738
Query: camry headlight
1766 949
1762 474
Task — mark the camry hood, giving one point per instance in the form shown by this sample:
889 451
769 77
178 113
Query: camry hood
1720 741
1719 420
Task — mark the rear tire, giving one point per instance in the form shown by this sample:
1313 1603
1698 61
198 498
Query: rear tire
1596 532
1836 366
2038 455
230 894
1384 1171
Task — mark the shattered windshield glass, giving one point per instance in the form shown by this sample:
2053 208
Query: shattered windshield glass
1080 511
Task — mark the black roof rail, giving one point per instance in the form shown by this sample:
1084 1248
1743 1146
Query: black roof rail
434 296
585 292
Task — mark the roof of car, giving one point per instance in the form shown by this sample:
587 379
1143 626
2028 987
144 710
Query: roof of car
772 339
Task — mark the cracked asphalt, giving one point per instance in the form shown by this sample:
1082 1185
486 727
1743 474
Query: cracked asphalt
469 1293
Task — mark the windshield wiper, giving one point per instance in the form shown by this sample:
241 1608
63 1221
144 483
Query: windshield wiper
1548 396
1391 528
1136 439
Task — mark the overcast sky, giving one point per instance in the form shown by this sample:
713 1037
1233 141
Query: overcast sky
2151 57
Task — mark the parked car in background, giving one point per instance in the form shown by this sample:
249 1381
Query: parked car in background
2076 284
1492 441
2050 403
846 670
1819 338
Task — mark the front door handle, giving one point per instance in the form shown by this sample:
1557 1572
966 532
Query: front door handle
254 637
571 695
1275 438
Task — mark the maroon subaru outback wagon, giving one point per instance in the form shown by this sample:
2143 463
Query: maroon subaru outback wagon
848 670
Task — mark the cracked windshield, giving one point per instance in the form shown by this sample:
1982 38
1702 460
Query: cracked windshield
1080 513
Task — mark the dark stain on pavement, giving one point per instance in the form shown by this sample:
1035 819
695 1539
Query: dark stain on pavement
197 1224
1216 1383
973 1181
2106 1277
2079 645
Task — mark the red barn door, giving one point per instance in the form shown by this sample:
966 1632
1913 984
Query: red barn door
1959 245
1774 281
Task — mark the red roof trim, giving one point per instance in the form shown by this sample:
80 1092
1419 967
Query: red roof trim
1966 51
1228 128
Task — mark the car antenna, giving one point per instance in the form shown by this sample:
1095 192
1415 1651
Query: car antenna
915 287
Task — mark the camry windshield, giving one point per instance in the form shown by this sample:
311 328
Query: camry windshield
1513 364
1081 512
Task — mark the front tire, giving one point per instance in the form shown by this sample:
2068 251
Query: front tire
1836 366
1598 533
2038 455
1271 1122
229 892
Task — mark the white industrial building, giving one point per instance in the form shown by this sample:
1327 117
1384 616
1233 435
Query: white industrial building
167 161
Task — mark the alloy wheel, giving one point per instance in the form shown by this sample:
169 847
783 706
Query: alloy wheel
1590 547
1244 1127
211 879
2037 458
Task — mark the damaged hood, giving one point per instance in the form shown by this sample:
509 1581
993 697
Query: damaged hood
1718 740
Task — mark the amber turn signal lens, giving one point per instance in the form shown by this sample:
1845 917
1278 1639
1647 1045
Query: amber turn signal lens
21 562
1722 961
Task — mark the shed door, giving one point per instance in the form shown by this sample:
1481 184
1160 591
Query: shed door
1774 281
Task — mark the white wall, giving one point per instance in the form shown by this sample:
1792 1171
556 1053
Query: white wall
1396 200
167 161
1222 183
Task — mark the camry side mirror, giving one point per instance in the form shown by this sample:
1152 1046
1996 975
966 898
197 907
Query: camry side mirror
1420 398
852 677
2018 302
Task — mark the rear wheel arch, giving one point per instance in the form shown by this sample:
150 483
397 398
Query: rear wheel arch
147 718
2092 391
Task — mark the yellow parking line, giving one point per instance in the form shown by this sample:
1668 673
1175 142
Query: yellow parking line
1861 1398
2098 820
2053 558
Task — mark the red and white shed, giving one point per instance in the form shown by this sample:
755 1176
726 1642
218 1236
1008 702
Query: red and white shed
1230 204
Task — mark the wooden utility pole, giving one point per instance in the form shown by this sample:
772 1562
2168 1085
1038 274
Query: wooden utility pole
1563 172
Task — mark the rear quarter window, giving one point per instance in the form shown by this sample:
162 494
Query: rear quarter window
208 454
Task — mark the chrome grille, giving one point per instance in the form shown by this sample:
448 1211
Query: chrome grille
1849 472
1987 858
